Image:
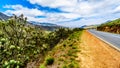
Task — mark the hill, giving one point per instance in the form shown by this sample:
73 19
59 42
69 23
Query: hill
45 26
26 46
110 26
89 26
3 16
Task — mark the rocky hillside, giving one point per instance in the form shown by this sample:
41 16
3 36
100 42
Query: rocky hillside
111 26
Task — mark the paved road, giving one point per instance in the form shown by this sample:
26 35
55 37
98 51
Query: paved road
113 39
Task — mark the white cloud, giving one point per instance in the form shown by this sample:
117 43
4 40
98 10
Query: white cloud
81 7
57 17
19 9
92 11
117 9
29 13
33 13
91 20
54 3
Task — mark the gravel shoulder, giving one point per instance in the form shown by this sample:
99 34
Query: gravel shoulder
97 54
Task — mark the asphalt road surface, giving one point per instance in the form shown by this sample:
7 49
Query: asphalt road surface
111 38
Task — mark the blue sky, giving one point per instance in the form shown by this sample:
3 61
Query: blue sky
72 13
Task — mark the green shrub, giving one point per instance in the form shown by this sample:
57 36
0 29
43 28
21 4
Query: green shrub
3 41
64 66
61 59
42 66
64 45
11 64
70 53
49 60
73 65
74 47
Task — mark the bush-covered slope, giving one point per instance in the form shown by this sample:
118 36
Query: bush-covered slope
65 53
23 45
111 26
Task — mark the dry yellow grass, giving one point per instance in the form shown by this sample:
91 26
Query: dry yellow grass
97 54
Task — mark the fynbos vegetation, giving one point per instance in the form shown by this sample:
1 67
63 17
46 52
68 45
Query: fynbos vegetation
21 43
111 26
65 53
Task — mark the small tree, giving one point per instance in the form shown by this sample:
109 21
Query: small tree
13 28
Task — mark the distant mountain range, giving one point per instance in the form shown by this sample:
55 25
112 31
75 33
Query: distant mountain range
42 24
3 16
46 26
89 26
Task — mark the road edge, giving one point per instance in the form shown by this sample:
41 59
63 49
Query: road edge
111 45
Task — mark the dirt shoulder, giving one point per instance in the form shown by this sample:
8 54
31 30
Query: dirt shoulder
97 54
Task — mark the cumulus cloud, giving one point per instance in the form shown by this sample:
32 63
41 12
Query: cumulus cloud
117 9
19 9
54 3
33 13
91 11
83 7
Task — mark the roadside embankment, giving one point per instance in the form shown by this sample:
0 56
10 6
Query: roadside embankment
97 54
